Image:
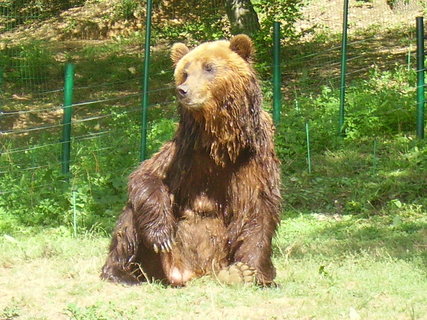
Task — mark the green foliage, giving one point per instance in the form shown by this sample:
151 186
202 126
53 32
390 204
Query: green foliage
34 62
381 104
367 176
376 166
287 12
191 22
27 203
10 312
127 9
160 132
319 112
206 20
96 191
29 65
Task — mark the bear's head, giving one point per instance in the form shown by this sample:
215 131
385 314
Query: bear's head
209 73
218 93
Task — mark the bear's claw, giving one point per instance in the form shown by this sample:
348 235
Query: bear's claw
163 247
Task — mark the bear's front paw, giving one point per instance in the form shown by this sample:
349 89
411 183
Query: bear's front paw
160 241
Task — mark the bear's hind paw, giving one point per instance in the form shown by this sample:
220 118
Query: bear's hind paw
238 273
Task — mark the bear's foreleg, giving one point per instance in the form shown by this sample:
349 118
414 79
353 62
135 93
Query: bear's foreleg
146 226
151 203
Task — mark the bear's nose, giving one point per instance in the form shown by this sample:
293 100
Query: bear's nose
182 90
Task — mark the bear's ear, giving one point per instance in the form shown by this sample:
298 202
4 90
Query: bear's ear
178 51
242 45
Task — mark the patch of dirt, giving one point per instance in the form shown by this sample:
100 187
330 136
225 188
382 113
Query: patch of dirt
328 15
94 20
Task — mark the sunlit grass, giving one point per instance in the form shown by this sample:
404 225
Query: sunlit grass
328 267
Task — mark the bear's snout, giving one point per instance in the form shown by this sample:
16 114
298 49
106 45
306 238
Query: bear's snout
190 97
182 90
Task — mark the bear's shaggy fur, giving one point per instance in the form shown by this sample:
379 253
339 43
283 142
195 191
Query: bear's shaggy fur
209 199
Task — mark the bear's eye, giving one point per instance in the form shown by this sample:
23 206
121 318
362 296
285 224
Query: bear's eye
185 75
209 67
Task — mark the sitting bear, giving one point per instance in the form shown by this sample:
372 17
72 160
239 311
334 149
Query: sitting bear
209 201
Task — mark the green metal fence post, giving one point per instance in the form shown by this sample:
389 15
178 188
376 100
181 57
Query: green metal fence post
145 83
68 110
420 77
277 104
343 69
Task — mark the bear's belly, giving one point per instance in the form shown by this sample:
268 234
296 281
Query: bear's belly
201 243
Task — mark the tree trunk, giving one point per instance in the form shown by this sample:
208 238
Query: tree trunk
242 16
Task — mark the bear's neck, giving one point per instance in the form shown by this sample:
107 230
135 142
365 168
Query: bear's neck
233 128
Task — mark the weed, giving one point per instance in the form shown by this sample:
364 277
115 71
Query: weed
99 311
10 313
126 9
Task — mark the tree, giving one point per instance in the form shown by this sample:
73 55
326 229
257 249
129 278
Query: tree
242 16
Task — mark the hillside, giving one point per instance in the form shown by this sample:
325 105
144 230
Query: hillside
101 20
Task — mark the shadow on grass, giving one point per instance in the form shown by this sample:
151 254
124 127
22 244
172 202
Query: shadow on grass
333 237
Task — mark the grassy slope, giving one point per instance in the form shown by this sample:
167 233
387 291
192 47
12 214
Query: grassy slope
329 267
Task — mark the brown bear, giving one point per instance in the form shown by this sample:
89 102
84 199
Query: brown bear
208 202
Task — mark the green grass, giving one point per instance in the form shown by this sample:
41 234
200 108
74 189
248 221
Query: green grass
328 267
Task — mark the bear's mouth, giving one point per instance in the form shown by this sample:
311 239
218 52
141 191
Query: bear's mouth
191 104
